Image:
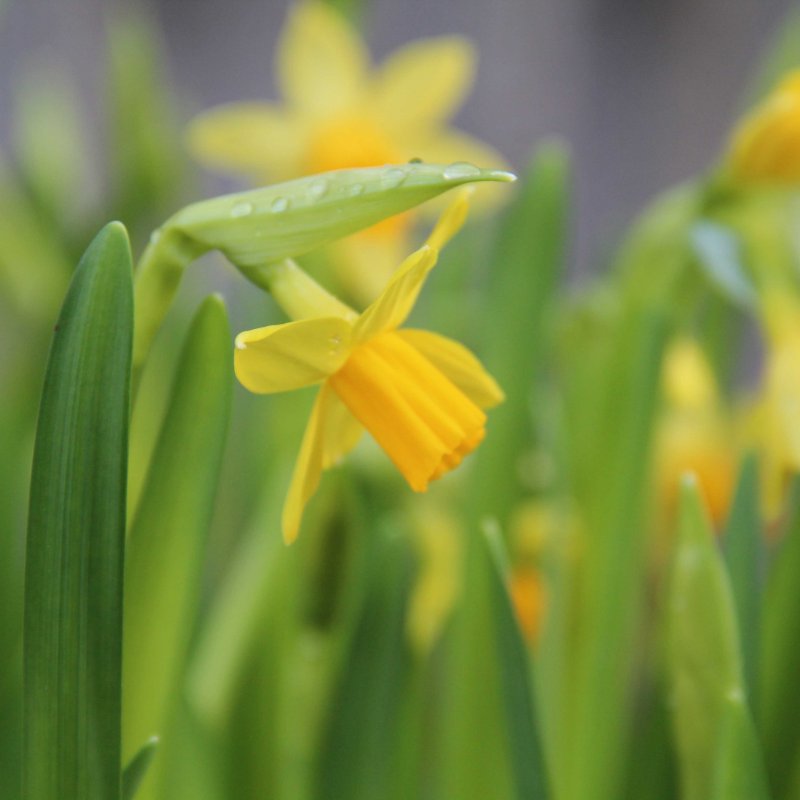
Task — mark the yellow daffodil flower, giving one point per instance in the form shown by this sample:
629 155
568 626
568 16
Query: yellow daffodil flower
766 145
694 434
338 113
419 394
774 424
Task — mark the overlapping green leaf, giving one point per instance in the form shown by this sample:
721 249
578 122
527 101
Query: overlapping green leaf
716 742
76 530
168 534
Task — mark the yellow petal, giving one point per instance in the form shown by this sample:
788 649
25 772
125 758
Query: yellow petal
458 364
423 83
278 358
396 301
250 138
451 220
341 433
321 61
308 469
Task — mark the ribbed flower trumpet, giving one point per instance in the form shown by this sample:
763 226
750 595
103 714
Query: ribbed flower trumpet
419 394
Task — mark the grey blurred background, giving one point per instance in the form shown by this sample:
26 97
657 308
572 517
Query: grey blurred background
643 91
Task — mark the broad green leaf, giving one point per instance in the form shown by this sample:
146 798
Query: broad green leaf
713 730
526 265
475 764
739 767
359 743
616 454
744 556
779 700
261 226
76 530
166 545
136 769
516 679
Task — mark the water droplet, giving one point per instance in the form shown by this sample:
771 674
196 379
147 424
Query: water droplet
155 236
336 340
318 188
460 169
393 176
356 189
240 345
279 204
241 210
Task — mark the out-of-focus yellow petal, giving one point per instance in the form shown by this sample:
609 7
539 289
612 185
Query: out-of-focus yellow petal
366 261
423 83
322 62
250 138
308 469
451 220
278 358
687 377
437 536
390 310
766 145
341 434
458 364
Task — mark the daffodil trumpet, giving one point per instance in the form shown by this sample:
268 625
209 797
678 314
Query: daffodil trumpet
420 395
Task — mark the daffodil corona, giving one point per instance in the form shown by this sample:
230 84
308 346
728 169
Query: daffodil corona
420 395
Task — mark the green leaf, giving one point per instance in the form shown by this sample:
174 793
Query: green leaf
739 768
270 224
166 545
133 774
360 740
76 534
516 679
711 720
528 260
744 556
619 441
779 700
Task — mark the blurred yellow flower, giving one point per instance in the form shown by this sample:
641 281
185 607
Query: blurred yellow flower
694 434
766 144
339 113
437 537
419 394
775 421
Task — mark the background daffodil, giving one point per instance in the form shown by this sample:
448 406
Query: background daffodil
339 113
419 394
766 145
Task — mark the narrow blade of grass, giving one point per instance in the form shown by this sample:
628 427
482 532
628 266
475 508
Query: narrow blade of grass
76 533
